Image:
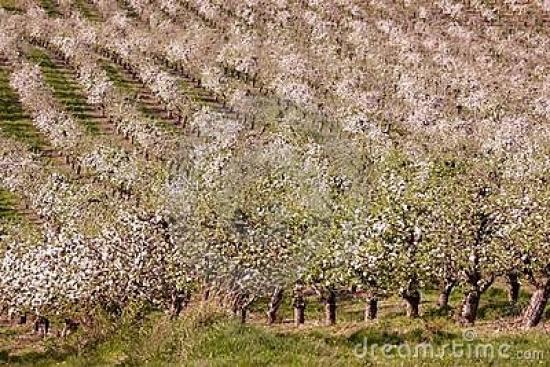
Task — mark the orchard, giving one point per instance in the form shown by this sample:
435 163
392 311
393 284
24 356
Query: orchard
254 152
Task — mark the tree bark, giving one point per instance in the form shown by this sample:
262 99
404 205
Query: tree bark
443 300
69 327
299 315
206 294
534 312
513 287
371 309
242 304
274 304
299 305
42 326
412 298
235 302
470 305
179 301
330 307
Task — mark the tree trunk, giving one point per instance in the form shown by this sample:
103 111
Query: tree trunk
241 304
412 298
299 315
443 300
371 309
274 304
470 305
235 301
206 294
69 327
513 287
42 326
179 300
330 307
534 312
299 308
22 319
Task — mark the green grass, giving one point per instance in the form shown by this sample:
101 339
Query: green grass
87 10
205 336
115 75
7 204
50 7
14 122
65 89
10 5
223 342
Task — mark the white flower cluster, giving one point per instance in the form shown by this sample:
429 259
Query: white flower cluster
113 165
128 261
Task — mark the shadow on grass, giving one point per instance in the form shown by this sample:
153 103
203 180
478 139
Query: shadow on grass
32 358
495 304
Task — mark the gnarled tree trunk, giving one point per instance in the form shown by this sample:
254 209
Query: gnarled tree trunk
243 312
470 305
371 308
241 304
42 326
513 287
299 304
234 299
206 294
443 300
533 314
69 327
412 298
274 304
179 300
330 307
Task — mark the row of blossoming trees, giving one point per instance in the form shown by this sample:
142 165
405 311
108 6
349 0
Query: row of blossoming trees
284 213
412 191
277 213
